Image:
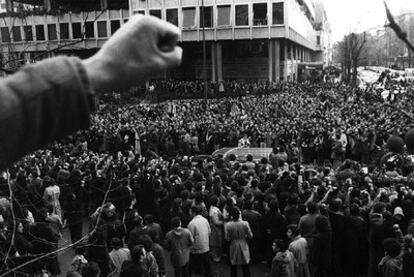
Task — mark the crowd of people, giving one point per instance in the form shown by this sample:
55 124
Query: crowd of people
334 198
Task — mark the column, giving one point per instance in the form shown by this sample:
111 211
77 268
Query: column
47 5
270 60
104 4
9 5
285 61
213 61
219 62
277 60
292 63
297 62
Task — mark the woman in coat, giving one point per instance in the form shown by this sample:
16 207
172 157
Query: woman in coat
237 232
216 223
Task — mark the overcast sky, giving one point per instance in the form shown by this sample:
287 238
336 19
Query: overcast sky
361 15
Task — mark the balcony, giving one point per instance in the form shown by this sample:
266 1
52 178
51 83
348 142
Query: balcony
83 30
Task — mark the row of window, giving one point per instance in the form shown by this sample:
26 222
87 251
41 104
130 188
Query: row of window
241 15
79 30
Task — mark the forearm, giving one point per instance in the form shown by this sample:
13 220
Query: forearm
42 103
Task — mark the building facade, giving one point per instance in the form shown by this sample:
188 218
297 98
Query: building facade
245 39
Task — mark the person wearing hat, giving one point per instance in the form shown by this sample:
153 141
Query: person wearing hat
118 255
399 218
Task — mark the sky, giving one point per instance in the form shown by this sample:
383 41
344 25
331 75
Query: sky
361 15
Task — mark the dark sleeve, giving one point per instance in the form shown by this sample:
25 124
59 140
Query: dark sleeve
41 103
159 257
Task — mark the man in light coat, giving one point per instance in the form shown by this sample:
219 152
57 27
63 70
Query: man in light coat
200 251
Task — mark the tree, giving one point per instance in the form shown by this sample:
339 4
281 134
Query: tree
348 53
12 59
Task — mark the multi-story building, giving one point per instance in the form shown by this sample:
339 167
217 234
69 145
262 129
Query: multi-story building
245 39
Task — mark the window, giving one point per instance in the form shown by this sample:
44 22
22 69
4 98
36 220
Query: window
40 32
139 12
17 36
223 15
208 17
156 13
28 33
115 24
77 30
318 40
260 14
189 18
51 31
278 13
89 30
102 31
5 34
242 15
172 16
64 30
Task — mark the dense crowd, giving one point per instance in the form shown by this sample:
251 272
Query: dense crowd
333 198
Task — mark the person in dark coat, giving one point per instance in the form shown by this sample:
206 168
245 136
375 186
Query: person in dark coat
321 249
253 218
274 226
384 231
337 222
97 251
408 256
135 267
45 240
73 215
356 243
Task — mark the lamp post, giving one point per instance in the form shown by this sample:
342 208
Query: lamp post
204 51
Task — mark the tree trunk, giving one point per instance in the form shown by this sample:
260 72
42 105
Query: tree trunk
354 75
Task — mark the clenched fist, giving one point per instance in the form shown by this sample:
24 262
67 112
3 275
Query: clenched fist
143 47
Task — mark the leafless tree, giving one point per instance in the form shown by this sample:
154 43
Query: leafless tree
349 54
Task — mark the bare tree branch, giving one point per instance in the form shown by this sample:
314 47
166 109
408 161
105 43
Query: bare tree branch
86 237
14 222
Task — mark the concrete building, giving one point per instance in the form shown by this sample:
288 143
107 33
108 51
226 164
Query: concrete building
245 39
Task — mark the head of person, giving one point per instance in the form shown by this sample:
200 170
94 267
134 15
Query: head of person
137 253
321 224
196 210
408 242
292 231
146 241
116 243
91 269
149 219
354 209
279 245
392 247
214 200
109 209
379 207
235 214
274 206
175 222
312 208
